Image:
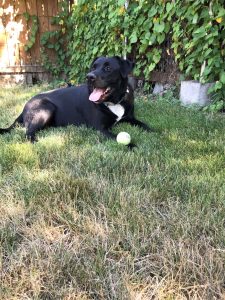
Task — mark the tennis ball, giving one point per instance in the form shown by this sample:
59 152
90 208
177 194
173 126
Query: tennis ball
123 138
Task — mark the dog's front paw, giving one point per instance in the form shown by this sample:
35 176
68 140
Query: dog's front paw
131 146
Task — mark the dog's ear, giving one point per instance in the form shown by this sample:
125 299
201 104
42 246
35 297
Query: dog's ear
126 66
94 61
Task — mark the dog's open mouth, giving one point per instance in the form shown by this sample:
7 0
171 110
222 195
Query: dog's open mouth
99 94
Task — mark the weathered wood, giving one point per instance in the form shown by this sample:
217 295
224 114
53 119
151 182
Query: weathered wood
42 8
35 52
6 4
52 8
164 77
31 7
19 7
22 69
15 34
4 57
27 78
43 24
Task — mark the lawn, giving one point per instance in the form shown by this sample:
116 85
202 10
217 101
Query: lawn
82 217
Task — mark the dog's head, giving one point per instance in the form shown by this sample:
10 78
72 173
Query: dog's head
107 79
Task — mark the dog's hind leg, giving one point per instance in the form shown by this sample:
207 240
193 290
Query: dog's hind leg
37 119
18 120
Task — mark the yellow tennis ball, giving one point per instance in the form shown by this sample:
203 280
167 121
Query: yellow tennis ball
123 138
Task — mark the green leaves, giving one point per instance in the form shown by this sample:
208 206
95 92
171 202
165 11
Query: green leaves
133 38
200 42
161 38
57 41
33 30
199 32
222 77
121 2
169 7
26 16
101 30
195 19
152 11
159 27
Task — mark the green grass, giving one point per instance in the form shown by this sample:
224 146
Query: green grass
85 218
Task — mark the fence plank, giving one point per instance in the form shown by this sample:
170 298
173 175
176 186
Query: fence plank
19 7
4 59
35 51
43 24
31 7
7 5
42 8
52 8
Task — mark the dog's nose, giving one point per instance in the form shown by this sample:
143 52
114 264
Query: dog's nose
91 76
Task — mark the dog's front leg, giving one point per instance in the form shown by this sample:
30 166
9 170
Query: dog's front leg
140 124
108 134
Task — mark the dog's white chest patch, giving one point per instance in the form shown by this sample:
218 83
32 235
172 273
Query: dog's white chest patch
117 109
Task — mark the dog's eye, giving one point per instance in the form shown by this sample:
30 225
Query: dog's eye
107 68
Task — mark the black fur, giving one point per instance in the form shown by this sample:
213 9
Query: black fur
71 106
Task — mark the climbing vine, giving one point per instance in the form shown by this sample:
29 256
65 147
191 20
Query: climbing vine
55 50
97 31
33 30
199 44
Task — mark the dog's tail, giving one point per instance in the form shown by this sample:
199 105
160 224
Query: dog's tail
18 120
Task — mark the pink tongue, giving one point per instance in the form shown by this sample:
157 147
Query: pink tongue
96 95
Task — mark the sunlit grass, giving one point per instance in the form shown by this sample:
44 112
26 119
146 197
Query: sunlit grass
82 217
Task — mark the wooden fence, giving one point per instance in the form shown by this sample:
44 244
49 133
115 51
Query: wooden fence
15 32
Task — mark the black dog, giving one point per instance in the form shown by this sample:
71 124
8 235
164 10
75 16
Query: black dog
105 100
